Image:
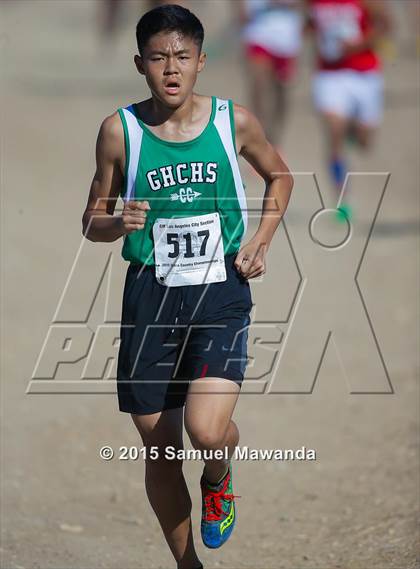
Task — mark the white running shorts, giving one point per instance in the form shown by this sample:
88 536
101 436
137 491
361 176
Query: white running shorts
351 94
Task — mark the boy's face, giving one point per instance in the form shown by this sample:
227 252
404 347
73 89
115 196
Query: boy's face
170 63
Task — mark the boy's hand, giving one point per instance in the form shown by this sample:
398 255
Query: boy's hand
134 215
250 261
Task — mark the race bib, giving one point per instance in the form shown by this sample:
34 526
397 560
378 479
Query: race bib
189 250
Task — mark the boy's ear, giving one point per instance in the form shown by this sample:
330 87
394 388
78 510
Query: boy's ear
139 64
201 61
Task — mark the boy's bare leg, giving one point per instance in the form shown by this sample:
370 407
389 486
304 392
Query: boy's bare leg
208 411
165 483
335 127
365 134
260 74
280 108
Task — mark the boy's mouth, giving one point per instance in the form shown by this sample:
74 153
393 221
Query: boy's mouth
172 87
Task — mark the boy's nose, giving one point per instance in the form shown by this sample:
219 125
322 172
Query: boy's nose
170 65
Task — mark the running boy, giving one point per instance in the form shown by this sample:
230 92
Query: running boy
348 85
272 38
186 303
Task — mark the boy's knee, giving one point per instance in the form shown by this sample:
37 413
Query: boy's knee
204 439
162 463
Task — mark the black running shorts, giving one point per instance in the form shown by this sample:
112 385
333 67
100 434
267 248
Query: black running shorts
173 335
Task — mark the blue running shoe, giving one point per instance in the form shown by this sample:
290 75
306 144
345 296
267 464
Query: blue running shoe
218 511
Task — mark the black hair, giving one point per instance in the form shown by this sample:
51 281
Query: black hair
169 18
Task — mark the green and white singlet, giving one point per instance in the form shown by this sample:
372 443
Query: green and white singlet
184 179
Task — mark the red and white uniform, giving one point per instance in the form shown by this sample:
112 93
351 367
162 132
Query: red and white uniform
347 85
274 31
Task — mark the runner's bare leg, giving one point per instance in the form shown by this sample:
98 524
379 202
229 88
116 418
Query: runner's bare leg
260 76
208 410
165 483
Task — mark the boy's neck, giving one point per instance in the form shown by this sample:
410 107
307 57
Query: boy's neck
154 113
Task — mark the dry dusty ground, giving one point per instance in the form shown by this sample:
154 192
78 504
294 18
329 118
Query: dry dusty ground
62 507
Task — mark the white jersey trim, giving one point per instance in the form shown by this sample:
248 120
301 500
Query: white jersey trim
135 135
223 126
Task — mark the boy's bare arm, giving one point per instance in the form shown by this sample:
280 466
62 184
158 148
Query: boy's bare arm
382 19
381 28
99 222
253 145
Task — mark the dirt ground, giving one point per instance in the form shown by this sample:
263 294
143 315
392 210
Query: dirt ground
62 507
